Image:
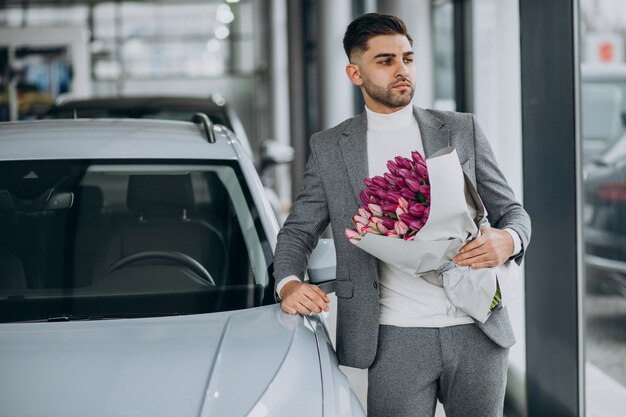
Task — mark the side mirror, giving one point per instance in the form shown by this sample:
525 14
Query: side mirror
323 265
273 153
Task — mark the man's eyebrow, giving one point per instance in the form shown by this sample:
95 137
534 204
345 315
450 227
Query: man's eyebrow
391 55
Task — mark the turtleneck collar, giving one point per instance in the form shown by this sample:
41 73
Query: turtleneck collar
396 120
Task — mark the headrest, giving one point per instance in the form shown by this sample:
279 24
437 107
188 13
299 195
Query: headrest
89 197
159 192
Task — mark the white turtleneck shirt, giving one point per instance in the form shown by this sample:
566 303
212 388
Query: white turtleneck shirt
406 300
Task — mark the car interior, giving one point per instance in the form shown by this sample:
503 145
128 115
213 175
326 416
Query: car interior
102 238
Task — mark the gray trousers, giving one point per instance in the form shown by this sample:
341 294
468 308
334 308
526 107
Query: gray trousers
459 365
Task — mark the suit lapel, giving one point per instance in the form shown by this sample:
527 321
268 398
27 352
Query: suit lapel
435 135
353 145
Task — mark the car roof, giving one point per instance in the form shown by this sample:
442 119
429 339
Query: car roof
113 139
141 106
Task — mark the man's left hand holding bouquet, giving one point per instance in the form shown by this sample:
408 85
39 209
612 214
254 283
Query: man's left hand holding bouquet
492 248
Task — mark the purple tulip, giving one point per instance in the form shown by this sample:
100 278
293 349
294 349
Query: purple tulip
425 190
389 178
423 171
413 185
392 166
364 196
408 194
415 225
404 173
368 182
426 213
404 163
417 157
407 218
393 196
388 222
389 208
382 194
417 210
380 182
401 183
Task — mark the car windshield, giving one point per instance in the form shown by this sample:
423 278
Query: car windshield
108 239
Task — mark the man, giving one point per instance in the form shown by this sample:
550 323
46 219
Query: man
397 325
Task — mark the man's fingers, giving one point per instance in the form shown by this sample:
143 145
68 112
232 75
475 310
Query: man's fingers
465 257
476 243
314 305
319 300
321 293
288 309
488 264
303 309
304 299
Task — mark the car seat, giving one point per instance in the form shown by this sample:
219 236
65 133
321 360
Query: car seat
162 204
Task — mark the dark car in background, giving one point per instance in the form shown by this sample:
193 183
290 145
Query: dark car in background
603 110
605 219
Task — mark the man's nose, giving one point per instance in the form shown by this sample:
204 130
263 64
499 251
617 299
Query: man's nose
402 70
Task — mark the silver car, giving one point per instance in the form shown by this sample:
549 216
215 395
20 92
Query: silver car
135 279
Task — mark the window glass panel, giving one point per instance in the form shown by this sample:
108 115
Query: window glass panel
603 147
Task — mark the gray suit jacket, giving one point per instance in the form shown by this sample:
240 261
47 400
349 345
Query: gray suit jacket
332 181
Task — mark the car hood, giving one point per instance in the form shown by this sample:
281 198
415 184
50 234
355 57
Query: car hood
220 364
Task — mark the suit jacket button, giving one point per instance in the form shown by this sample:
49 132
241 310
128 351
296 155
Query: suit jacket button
375 285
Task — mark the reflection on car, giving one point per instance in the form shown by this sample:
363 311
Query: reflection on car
135 278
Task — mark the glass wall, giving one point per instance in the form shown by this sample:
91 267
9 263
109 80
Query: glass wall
190 48
603 157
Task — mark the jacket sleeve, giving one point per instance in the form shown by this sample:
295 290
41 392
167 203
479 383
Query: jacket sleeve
308 219
503 210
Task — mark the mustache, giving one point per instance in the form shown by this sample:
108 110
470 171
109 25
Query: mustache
402 81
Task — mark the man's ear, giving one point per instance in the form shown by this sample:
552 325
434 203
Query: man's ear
354 74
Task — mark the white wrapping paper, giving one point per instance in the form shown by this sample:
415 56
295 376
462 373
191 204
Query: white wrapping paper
449 227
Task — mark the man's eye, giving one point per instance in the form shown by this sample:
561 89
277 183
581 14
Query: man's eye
386 61
407 60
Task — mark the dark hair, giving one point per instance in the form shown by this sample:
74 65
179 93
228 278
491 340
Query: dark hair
369 25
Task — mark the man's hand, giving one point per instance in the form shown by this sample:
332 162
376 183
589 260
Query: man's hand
491 249
298 297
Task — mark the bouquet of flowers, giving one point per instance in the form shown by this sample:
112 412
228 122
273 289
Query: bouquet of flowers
398 205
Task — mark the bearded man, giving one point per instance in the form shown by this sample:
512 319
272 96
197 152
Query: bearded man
397 325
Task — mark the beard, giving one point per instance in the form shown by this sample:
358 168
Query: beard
387 96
